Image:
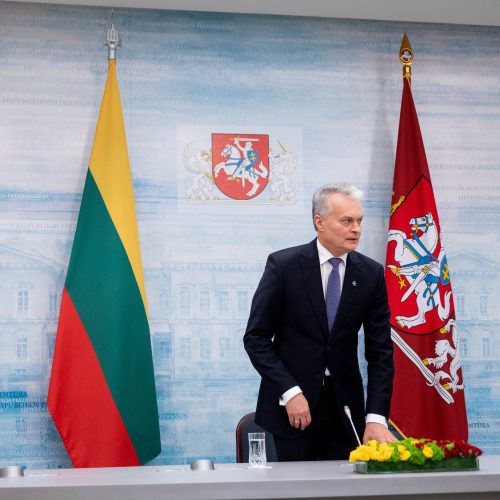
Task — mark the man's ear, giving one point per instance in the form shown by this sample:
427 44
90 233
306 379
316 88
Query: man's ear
318 222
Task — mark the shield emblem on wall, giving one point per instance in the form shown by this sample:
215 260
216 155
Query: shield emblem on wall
240 164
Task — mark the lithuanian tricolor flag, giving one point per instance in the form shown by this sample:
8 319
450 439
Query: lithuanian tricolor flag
102 393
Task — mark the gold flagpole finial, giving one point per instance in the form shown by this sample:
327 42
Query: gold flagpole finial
406 57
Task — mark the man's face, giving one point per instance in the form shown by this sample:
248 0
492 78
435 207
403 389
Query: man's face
339 231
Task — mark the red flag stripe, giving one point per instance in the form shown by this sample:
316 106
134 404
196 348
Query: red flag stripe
97 432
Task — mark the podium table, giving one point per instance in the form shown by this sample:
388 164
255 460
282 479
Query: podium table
292 480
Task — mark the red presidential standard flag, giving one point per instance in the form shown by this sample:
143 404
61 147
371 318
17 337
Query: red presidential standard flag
428 398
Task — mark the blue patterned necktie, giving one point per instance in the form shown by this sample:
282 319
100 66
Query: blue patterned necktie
332 297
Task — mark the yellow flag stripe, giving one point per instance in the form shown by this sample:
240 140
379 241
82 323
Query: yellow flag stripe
110 168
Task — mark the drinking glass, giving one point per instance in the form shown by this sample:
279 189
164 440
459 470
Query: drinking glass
257 449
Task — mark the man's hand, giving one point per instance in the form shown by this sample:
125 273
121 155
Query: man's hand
299 415
378 432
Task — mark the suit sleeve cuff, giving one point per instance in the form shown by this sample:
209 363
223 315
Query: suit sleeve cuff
376 419
286 396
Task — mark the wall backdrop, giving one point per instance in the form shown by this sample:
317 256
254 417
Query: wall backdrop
326 93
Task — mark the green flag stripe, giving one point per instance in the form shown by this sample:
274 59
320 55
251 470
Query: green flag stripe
103 288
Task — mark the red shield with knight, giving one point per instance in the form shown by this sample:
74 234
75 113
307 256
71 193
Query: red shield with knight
240 164
423 315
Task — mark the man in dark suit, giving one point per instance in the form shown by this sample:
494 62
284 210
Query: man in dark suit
302 337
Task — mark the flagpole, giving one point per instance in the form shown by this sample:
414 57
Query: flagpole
406 57
103 333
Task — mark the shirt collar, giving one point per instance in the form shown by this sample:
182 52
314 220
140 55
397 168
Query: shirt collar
325 255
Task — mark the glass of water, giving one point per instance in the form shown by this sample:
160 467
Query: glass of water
257 449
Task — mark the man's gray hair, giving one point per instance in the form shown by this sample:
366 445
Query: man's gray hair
320 205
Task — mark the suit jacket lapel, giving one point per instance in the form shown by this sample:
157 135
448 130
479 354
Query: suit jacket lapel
311 274
352 279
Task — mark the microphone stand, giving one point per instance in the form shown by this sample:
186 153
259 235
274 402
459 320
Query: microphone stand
347 411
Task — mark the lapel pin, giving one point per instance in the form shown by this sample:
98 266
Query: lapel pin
354 283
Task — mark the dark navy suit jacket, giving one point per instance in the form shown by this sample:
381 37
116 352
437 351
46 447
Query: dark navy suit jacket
288 341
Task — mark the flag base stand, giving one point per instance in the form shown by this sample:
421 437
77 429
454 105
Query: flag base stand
447 465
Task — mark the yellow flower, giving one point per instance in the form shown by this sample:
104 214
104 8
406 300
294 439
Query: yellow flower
360 453
427 451
371 451
381 452
401 448
404 455
384 452
356 454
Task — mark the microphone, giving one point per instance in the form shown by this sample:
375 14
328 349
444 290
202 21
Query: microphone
347 411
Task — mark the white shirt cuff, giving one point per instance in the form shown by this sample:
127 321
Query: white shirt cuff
376 419
370 417
286 396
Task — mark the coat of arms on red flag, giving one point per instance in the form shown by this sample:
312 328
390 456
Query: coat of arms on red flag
416 257
428 398
240 164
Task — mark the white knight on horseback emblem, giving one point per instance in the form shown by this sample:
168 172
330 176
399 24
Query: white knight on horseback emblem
240 164
420 270
424 303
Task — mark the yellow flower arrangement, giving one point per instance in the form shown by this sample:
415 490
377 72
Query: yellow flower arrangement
416 454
